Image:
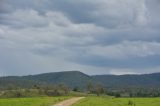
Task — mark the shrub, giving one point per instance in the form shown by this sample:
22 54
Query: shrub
130 102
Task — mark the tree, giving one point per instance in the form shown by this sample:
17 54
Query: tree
36 86
76 89
99 89
118 95
90 87
64 88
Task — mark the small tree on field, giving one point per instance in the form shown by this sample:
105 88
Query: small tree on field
90 87
99 89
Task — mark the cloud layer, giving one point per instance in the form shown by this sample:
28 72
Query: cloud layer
95 37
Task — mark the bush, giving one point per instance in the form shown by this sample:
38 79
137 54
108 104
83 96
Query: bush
117 95
13 94
131 103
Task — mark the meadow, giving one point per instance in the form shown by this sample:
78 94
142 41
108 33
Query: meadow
108 101
88 101
36 101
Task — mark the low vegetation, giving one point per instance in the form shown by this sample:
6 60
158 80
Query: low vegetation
36 91
38 101
108 101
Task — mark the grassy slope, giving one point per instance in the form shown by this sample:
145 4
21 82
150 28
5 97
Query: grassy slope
38 101
102 101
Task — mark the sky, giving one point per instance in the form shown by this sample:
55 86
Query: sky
92 36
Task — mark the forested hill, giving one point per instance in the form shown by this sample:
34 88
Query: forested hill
123 81
78 79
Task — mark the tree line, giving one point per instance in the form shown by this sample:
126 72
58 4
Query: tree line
91 88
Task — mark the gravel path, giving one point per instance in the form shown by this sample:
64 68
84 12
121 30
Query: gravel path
69 102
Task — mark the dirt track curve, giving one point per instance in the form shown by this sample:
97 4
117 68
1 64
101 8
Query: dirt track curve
69 102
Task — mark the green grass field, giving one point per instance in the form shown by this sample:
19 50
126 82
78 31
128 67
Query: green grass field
37 101
88 101
106 101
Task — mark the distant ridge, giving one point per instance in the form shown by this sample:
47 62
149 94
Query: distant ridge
79 79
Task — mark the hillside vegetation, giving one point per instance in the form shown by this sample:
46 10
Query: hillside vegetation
78 79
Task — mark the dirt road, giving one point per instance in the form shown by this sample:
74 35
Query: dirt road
69 102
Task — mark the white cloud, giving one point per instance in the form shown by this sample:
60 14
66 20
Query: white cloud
122 71
58 29
1 32
127 49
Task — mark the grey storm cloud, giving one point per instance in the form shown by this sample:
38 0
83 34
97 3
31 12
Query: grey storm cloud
96 37
104 13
